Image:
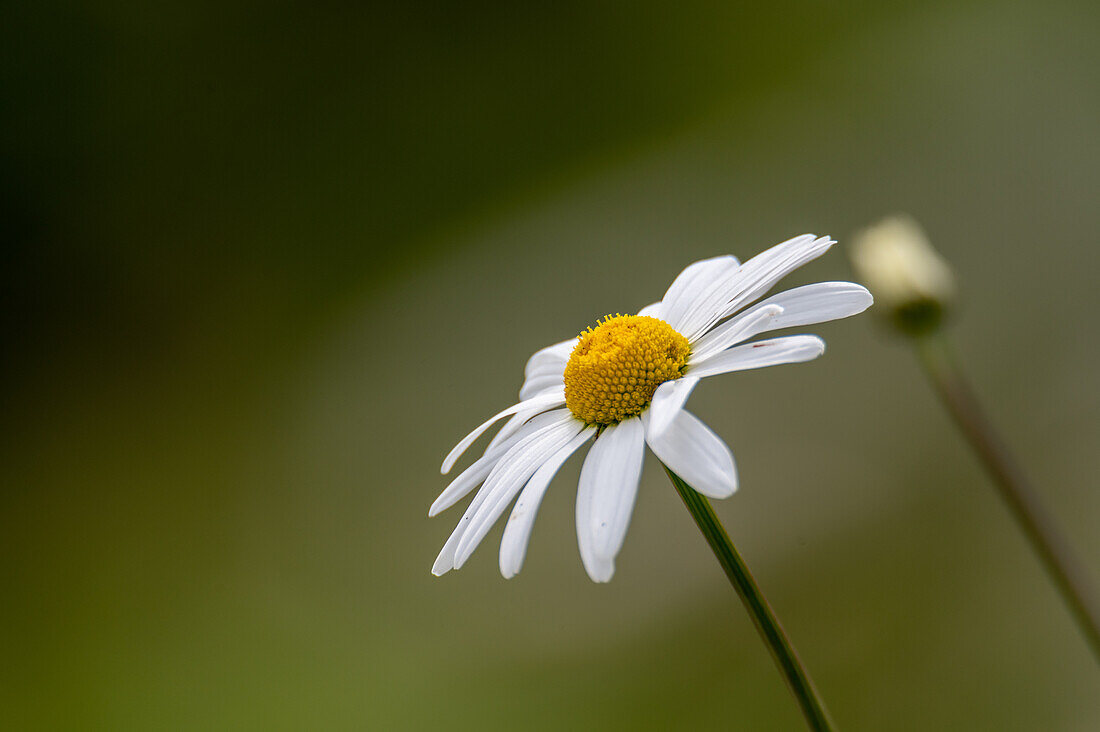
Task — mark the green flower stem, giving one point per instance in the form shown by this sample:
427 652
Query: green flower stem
1017 491
798 680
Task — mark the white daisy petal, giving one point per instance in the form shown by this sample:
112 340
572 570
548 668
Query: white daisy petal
541 383
691 450
533 405
547 386
517 532
734 331
653 310
472 476
694 281
510 475
817 303
545 368
668 399
510 427
468 479
556 389
610 476
548 365
712 300
598 569
504 481
445 561
750 281
551 355
772 352
773 265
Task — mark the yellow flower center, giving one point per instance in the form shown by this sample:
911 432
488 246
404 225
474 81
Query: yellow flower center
616 366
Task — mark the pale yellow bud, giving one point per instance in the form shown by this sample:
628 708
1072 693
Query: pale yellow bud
905 274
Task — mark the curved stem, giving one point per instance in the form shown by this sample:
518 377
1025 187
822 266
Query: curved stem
1016 490
795 674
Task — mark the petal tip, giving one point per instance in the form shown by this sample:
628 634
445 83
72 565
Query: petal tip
461 555
725 493
599 576
442 565
602 578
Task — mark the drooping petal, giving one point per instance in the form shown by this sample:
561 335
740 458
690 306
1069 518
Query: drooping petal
510 475
609 482
534 405
517 532
445 560
545 368
691 450
517 449
510 428
551 355
549 364
533 387
690 284
734 331
598 569
772 352
472 476
668 400
540 383
653 310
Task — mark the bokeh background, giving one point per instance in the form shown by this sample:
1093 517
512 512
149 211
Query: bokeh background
264 263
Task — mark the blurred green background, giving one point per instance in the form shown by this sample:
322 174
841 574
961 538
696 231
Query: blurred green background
265 263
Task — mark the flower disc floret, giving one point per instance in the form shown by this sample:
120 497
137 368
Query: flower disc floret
617 365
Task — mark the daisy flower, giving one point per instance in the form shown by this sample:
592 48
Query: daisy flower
624 382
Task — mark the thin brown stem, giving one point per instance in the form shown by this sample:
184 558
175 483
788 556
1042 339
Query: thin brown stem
1019 494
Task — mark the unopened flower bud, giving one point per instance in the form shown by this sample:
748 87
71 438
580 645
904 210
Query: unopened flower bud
909 280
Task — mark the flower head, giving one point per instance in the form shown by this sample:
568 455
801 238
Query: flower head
910 279
615 367
624 383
